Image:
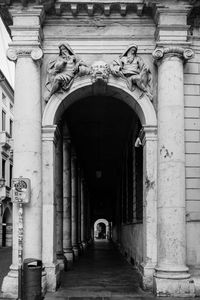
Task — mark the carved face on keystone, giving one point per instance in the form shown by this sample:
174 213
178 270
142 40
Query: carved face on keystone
100 71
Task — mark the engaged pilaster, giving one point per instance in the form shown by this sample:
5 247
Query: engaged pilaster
67 236
74 186
171 272
59 202
50 136
148 138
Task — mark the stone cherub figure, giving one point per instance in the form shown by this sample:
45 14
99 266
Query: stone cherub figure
132 68
62 70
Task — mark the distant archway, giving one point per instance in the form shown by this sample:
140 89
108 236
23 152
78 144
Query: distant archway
102 229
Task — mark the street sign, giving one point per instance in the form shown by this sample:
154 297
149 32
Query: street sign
21 190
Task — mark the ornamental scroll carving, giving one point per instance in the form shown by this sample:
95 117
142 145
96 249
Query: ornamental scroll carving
62 71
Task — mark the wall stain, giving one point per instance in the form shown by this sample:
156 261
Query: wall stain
149 184
165 152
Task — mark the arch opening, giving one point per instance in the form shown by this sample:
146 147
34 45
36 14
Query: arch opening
98 132
7 228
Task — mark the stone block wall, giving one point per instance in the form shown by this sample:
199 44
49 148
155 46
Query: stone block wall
192 152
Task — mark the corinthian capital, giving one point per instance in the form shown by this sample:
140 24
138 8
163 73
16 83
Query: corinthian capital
161 53
14 53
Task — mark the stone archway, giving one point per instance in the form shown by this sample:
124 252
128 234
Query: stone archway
107 228
142 106
7 228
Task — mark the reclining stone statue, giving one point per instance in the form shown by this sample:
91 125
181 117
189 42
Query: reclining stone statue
62 70
132 68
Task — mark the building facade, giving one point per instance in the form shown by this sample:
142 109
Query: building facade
6 143
107 115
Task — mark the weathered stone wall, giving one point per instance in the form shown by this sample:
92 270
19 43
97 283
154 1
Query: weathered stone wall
192 150
132 242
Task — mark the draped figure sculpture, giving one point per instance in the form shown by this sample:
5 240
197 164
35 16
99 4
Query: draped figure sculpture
132 68
62 70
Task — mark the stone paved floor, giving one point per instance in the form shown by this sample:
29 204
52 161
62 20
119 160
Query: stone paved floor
5 262
101 274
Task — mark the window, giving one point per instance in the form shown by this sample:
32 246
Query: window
11 107
3 120
4 98
11 127
3 168
11 172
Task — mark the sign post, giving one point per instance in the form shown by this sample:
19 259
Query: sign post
20 194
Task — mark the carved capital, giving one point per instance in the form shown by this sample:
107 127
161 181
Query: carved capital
184 54
35 53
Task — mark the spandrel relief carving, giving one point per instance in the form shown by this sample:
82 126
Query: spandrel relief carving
132 68
62 70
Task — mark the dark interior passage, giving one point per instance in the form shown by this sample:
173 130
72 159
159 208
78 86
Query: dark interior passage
101 128
101 272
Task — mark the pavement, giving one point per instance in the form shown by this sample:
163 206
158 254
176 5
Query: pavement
101 273
5 262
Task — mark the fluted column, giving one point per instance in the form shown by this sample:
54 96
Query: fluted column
59 202
171 272
74 209
67 236
27 155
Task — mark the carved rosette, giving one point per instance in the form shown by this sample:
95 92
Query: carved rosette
35 53
161 53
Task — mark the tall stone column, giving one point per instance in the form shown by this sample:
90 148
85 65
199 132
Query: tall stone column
59 202
83 215
27 143
74 211
50 136
172 277
79 209
148 138
67 236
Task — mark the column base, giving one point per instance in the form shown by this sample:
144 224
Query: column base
80 248
173 281
146 275
69 255
84 245
9 286
52 277
76 251
62 261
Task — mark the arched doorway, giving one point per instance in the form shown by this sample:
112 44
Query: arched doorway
7 228
102 229
100 124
